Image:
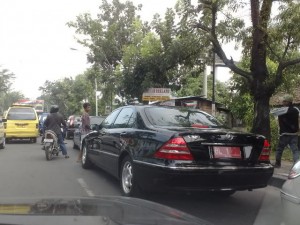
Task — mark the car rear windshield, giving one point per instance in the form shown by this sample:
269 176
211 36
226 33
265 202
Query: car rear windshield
21 114
96 120
181 118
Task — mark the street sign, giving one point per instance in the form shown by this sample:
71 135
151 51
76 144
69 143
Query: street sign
157 94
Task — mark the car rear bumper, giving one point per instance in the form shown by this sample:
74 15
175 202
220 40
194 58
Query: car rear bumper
22 134
198 178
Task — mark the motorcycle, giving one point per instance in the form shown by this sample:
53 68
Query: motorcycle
51 145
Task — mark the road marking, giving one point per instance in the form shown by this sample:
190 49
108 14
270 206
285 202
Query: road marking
85 187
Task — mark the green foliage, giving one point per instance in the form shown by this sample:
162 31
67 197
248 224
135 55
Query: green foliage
192 85
6 78
68 94
133 56
7 99
242 108
274 133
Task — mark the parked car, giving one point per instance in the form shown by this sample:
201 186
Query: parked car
42 118
290 196
95 122
73 122
159 148
22 123
2 133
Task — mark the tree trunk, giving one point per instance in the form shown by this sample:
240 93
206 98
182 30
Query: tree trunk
261 120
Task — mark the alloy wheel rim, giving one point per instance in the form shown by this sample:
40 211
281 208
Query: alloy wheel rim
127 177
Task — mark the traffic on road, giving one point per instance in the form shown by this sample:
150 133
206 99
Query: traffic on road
208 180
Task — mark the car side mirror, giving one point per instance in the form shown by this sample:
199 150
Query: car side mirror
4 120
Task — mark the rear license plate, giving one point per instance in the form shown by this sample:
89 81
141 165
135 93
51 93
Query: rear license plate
227 152
48 140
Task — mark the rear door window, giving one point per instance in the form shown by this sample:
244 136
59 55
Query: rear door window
21 114
126 119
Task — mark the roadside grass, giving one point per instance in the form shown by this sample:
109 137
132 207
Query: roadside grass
286 156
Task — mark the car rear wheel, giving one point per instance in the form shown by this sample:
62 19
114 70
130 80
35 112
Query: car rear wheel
75 146
129 186
86 163
2 145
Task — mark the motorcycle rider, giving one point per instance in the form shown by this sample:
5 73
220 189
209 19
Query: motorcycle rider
53 122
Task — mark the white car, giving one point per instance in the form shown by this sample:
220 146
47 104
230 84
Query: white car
290 197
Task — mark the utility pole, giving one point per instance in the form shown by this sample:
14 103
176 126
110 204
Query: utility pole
213 30
96 97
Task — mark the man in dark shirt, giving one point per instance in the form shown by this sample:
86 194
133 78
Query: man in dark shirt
288 130
53 122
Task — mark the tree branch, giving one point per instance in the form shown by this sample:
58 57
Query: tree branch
202 27
229 63
281 67
273 52
287 46
290 63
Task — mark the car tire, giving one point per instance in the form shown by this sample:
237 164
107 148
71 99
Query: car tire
33 140
128 183
85 161
75 146
2 145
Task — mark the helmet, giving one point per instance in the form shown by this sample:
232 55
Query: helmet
54 109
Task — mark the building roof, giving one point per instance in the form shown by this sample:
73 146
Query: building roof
277 101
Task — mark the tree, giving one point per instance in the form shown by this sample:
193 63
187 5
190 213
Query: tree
7 99
6 78
106 36
268 37
160 57
132 55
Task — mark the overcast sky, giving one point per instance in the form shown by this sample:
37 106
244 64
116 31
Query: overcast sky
35 41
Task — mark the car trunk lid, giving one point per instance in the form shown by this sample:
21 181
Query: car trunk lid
216 146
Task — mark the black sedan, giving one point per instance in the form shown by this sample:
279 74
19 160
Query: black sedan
94 121
157 148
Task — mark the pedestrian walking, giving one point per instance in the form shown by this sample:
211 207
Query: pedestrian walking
288 130
85 125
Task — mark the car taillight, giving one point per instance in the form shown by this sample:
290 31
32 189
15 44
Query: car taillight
295 171
174 149
265 153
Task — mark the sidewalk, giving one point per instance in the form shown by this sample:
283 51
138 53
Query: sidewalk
281 174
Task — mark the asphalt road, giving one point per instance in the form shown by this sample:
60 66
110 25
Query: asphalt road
24 172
